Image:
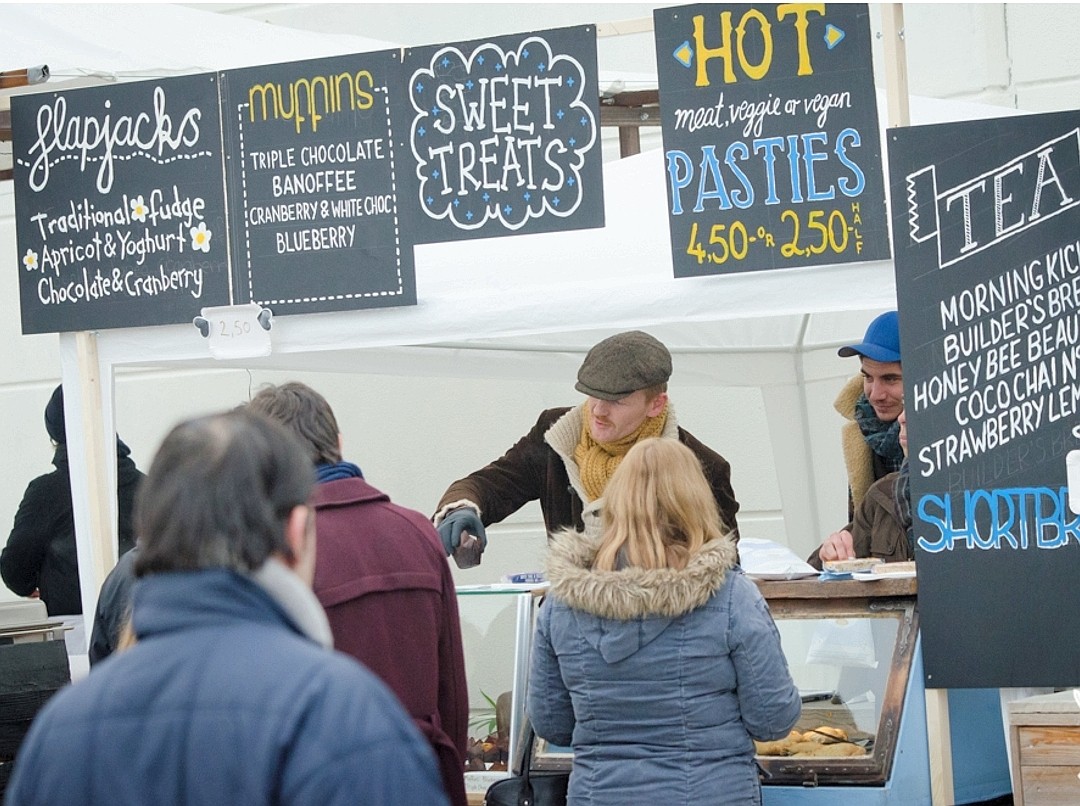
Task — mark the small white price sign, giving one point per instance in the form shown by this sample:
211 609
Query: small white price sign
1072 468
236 331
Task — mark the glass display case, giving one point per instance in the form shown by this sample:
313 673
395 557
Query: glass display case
497 623
849 646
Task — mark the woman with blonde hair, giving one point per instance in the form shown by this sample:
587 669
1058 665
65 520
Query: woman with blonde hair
656 658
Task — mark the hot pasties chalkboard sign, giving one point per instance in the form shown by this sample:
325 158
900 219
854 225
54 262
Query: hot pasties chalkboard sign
986 227
770 129
501 136
119 205
312 172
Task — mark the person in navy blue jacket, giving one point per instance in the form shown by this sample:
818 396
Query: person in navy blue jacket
230 693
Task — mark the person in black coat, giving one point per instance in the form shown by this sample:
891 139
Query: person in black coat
113 608
40 558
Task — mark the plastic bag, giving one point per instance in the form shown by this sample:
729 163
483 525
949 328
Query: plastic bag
843 642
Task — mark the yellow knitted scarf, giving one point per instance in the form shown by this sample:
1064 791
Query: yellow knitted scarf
597 460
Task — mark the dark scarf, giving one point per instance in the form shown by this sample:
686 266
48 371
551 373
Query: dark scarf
341 470
883 438
902 504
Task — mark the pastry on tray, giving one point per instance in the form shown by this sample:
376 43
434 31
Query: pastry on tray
854 564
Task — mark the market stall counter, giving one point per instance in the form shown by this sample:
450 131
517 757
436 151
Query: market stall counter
853 649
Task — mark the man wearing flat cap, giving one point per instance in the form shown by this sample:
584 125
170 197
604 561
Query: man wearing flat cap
565 461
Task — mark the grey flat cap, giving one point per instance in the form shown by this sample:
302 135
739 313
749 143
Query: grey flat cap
622 364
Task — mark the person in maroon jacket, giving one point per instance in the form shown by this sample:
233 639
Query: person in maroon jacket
382 576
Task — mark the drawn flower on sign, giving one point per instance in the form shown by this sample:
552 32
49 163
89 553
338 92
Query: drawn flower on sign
200 237
139 209
30 260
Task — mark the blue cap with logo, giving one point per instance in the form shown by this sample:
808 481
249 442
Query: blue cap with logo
881 342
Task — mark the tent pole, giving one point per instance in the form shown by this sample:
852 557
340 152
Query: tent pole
939 739
896 79
101 543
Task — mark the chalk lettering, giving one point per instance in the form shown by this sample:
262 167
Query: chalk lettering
281 213
1003 423
823 103
1015 519
998 204
311 99
707 177
701 117
372 148
335 180
96 286
154 136
987 297
316 239
752 23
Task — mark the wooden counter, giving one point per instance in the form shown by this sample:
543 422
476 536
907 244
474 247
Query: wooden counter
833 599
814 588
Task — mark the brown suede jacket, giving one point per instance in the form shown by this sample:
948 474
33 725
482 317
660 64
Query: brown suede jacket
540 466
875 532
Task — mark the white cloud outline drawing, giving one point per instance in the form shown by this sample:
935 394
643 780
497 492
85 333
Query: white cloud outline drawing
578 105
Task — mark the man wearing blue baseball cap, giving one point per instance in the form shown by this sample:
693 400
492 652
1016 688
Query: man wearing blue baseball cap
872 402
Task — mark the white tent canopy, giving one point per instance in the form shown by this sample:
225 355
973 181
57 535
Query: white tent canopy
127 41
529 307
556 290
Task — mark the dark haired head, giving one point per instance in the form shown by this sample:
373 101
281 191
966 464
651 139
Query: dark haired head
218 494
305 413
54 416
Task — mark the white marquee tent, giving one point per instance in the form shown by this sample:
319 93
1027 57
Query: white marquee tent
755 354
520 308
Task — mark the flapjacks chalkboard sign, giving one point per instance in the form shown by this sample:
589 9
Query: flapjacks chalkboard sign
120 209
986 231
501 136
312 172
772 149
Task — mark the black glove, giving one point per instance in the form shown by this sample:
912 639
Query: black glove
462 519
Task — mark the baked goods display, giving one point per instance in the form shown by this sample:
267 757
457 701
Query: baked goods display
824 740
854 564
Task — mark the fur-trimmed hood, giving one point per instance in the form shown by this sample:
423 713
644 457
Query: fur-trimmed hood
621 612
632 593
858 459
